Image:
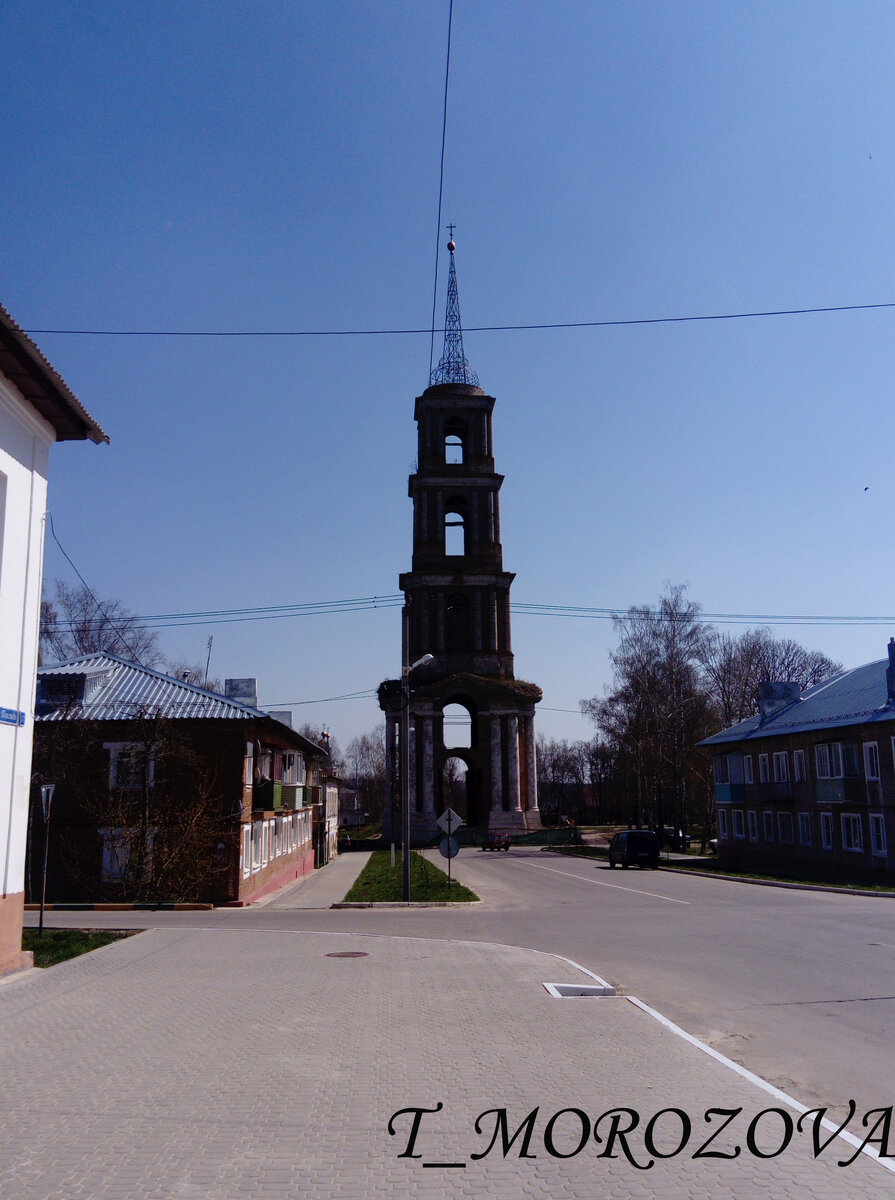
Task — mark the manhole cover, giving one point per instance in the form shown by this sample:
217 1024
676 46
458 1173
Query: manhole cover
349 954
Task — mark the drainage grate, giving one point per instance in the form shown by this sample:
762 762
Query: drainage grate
579 991
349 954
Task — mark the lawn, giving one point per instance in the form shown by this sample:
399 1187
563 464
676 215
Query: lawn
56 945
380 882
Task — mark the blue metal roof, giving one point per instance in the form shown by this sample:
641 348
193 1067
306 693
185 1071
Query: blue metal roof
854 697
116 690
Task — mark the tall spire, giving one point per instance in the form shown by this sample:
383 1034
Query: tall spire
453 367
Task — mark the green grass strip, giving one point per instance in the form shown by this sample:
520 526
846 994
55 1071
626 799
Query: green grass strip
56 945
379 882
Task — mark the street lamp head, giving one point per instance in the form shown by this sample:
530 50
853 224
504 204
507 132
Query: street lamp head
422 662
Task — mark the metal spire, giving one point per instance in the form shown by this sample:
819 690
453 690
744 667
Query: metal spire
453 367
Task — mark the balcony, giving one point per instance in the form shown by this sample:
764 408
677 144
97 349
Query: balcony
730 793
841 791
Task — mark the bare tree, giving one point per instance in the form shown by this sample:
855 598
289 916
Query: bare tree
735 667
365 766
74 623
194 673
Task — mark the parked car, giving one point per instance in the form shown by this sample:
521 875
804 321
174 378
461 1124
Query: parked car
634 847
496 841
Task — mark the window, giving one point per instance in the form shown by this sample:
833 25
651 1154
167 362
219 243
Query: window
781 767
739 827
131 765
752 821
747 768
453 449
804 829
768 821
246 851
852 834
871 760
877 834
119 847
257 839
828 760
458 625
454 534
722 823
784 828
763 768
721 768
798 764
826 830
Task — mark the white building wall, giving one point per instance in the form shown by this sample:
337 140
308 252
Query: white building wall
25 440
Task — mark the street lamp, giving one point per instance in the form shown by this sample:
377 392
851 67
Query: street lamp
406 667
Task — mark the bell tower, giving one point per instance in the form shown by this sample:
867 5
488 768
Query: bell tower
457 602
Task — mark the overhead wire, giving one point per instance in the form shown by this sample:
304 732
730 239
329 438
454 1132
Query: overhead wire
520 327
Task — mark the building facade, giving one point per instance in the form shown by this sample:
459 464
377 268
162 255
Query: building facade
809 783
36 409
165 791
457 617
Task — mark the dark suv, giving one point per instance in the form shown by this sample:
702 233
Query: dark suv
634 847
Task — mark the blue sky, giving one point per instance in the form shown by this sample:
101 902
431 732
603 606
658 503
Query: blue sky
272 166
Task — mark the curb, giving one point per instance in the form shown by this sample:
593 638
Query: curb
406 903
781 883
134 907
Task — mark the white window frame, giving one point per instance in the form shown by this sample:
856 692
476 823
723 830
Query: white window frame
781 766
871 762
763 772
826 830
747 768
722 823
752 823
798 766
122 750
721 768
767 825
852 832
738 823
804 829
246 851
877 835
785 833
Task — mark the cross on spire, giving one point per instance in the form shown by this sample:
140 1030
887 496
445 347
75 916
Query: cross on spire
453 367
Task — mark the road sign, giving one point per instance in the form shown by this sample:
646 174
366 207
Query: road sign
449 821
449 847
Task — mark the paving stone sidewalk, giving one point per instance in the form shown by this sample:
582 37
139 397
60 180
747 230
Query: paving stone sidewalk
217 1064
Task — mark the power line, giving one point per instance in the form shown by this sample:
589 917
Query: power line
310 333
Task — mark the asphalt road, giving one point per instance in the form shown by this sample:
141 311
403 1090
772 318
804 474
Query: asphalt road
797 986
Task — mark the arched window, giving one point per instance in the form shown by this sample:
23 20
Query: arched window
455 529
457 727
454 446
458 625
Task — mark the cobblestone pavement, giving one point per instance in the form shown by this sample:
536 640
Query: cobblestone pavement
228 1063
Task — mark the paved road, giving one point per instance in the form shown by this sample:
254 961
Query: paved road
797 986
237 1063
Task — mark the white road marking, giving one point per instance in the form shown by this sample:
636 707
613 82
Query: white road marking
796 1105
601 883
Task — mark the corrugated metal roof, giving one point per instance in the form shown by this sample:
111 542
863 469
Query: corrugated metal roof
116 690
854 697
42 385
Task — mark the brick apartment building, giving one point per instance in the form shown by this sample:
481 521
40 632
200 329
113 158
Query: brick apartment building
809 783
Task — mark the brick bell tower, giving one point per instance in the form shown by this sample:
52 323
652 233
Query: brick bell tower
457 609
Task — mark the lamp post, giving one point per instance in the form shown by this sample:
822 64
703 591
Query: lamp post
406 667
46 801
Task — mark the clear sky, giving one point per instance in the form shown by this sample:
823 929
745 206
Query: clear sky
274 166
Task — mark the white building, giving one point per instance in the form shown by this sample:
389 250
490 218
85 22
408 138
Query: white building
36 409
